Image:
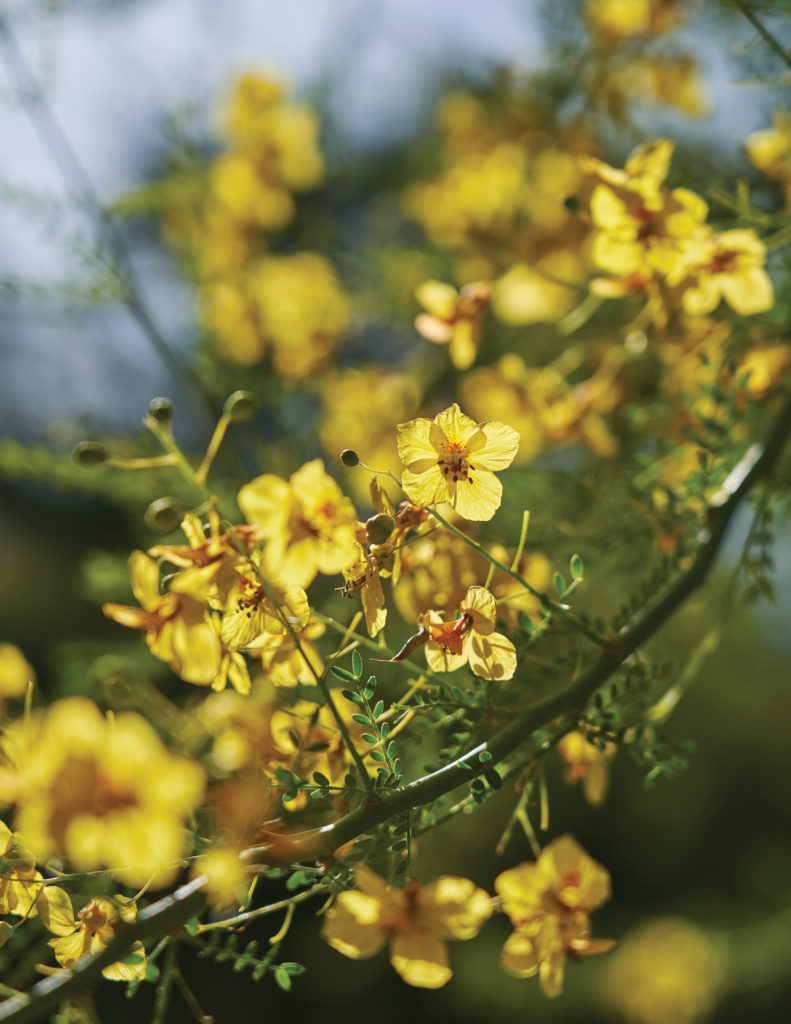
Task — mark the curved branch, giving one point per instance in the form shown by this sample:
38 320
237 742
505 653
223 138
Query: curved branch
755 465
158 919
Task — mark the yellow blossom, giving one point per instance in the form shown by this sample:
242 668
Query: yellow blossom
732 269
307 522
20 883
451 458
453 318
179 629
287 663
103 793
414 921
227 877
93 930
549 903
668 972
770 150
587 764
251 612
15 672
470 638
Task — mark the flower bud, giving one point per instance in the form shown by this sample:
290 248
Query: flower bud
241 406
90 453
349 457
161 409
163 515
379 527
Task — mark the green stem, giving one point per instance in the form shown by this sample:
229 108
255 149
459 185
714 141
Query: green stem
545 599
271 908
164 986
763 31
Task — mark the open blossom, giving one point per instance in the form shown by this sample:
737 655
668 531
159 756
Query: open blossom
470 638
415 921
452 458
549 904
179 629
101 792
308 523
731 269
453 318
587 764
91 932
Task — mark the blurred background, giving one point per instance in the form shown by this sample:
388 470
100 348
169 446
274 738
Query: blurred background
99 98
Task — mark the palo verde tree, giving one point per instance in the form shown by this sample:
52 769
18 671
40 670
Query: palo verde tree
479 430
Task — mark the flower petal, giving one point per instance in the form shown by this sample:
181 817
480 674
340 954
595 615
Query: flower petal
421 960
502 444
479 496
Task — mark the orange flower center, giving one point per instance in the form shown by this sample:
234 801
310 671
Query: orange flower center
450 635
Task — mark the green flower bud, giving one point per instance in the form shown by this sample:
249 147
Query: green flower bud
379 527
163 515
349 457
90 453
241 406
161 409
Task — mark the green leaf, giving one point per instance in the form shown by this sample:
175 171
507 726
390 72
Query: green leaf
391 749
378 710
320 779
192 927
283 979
576 567
362 719
370 687
357 664
292 969
342 673
152 972
559 584
355 698
377 755
368 738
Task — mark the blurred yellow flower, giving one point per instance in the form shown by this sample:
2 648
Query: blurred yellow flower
731 269
453 317
227 877
587 764
20 883
470 638
770 150
451 458
414 921
549 903
15 672
308 523
101 792
667 972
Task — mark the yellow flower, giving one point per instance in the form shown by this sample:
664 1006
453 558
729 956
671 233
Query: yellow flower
251 615
15 673
587 764
451 458
287 664
667 972
104 793
732 269
179 629
308 523
470 638
453 318
20 883
91 933
415 921
228 878
549 903
770 150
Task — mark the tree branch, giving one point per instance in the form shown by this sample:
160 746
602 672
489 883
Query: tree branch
568 701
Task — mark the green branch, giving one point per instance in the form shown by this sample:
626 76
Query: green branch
569 701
